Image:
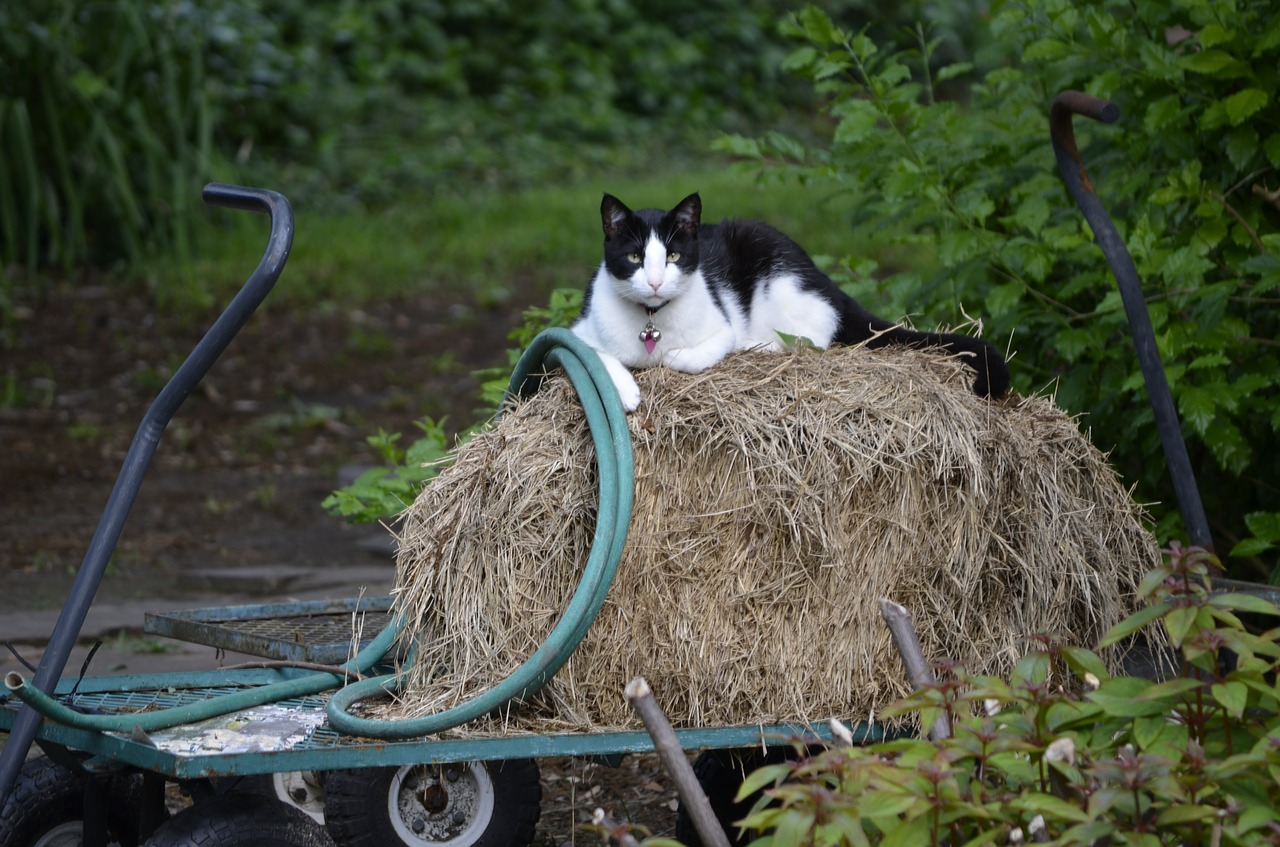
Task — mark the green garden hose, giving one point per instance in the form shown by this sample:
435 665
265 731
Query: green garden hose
608 424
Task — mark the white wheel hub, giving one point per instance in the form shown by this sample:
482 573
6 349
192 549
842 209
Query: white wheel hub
69 834
449 805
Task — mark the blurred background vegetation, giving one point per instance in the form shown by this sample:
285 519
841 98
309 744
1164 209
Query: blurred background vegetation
461 148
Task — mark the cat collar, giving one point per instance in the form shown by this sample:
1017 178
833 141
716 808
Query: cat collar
651 335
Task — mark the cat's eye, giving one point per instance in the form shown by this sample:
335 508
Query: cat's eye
633 258
673 257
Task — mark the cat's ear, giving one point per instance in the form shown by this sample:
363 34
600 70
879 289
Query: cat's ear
613 214
688 214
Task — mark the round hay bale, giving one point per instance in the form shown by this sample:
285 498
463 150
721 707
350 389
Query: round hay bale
778 497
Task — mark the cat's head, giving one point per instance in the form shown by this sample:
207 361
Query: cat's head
650 253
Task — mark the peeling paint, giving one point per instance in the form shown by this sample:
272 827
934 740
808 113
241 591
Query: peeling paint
262 729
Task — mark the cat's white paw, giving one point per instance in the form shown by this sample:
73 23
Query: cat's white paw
628 391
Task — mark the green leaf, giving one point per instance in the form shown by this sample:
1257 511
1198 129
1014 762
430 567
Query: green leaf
817 27
762 778
1256 816
1241 146
1179 622
738 145
912 833
1214 34
1161 113
1147 729
1003 299
858 119
792 826
1241 602
1213 62
1073 343
1185 266
1197 407
1051 807
1169 689
885 803
800 59
1241 105
1046 50
990 836
1250 547
1031 669
1032 214
1133 623
1264 525
1119 697
1182 813
952 71
1233 696
1084 661
1272 148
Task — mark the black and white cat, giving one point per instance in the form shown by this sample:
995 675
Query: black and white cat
674 291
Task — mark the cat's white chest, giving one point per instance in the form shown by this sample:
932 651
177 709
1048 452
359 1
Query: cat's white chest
688 332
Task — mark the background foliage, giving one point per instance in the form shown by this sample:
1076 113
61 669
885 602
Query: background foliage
113 114
1189 175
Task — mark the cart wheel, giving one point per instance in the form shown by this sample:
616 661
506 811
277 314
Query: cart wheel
46 808
720 773
303 789
240 820
467 804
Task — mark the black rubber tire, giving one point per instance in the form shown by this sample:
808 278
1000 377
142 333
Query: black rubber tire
283 786
240 820
498 804
720 773
47 799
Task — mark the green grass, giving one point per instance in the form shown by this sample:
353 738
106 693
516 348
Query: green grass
488 246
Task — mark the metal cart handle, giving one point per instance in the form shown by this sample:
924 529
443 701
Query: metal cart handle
145 440
1073 173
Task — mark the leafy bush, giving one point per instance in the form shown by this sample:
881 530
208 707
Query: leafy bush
105 130
112 115
1064 753
387 490
975 217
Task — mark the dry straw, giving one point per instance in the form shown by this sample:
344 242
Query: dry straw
778 497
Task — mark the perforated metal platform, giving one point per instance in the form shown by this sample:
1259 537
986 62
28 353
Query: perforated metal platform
317 631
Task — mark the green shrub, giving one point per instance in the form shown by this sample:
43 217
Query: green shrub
387 490
105 130
1063 753
976 221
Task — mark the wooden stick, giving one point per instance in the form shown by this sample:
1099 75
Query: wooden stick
898 620
692 798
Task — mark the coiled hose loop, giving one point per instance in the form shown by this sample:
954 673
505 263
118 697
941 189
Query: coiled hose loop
608 423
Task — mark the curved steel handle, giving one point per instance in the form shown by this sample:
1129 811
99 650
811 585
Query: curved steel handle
145 440
1071 166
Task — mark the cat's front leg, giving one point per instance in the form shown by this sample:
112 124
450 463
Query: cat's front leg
705 354
628 391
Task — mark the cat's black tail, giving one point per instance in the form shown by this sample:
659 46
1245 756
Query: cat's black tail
857 325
